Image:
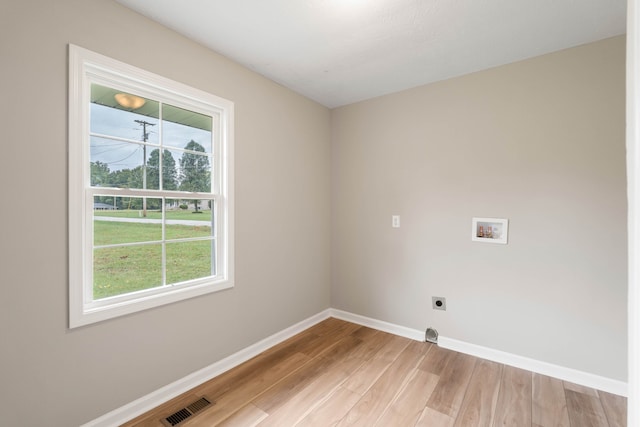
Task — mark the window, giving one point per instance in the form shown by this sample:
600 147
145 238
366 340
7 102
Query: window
150 190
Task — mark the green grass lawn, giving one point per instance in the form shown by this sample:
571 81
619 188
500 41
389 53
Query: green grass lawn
170 214
124 269
113 233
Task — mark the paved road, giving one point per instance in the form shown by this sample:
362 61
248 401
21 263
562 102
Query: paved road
154 221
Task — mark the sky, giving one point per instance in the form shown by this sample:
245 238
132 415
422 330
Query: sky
127 155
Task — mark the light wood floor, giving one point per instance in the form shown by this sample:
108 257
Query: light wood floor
341 374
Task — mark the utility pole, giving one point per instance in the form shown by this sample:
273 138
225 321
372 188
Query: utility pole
145 137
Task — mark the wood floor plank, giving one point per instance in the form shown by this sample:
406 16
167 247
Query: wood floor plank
406 408
433 418
585 410
366 375
237 397
331 410
369 372
393 347
295 344
334 328
277 360
454 378
280 392
437 360
276 395
367 334
580 389
481 398
549 405
348 356
375 401
330 325
307 399
370 343
348 348
514 402
247 416
329 333
615 407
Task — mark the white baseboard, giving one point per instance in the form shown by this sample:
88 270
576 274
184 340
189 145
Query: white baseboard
380 325
566 374
537 366
156 398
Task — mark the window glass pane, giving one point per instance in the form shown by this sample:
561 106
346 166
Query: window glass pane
120 164
201 209
184 221
196 223
180 127
179 229
195 170
125 269
189 260
114 226
123 115
130 207
167 161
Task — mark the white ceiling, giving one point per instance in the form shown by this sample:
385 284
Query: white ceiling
342 51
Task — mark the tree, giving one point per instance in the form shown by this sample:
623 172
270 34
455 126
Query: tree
195 173
119 178
126 178
169 173
100 178
99 174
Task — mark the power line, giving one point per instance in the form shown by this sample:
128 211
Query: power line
145 137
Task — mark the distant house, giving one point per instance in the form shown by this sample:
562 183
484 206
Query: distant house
103 207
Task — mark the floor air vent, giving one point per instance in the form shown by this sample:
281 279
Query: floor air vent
184 413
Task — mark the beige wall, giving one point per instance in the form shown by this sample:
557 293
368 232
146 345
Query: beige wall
540 142
53 376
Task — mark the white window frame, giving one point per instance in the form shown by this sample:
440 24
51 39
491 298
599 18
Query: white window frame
87 67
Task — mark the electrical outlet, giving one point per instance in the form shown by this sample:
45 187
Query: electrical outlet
395 221
439 303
